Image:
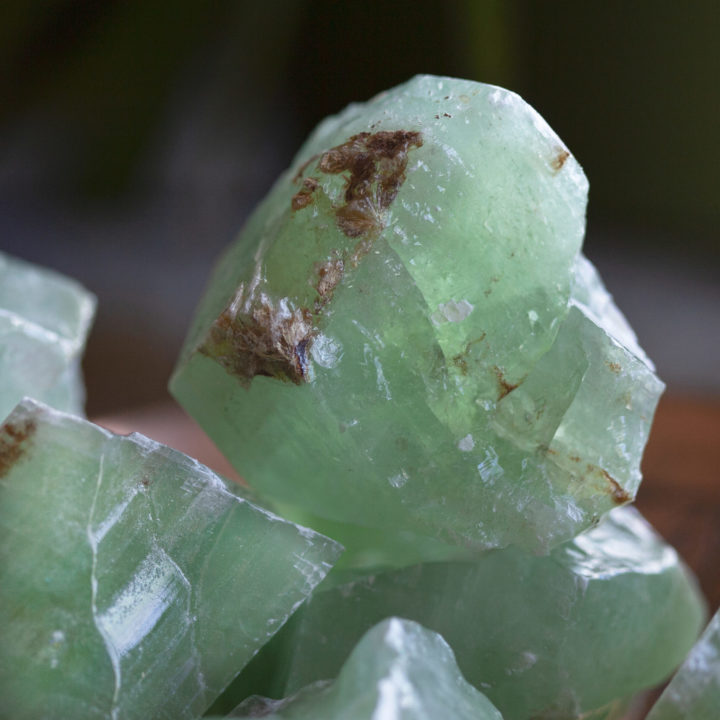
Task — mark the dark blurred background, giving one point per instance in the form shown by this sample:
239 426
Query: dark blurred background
136 136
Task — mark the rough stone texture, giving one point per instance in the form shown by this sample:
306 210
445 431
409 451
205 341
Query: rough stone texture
44 320
552 637
397 671
405 336
134 583
694 692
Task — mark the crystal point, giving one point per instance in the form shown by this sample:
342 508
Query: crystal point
134 583
694 692
44 319
405 336
398 669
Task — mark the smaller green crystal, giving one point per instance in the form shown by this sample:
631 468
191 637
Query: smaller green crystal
134 583
578 631
44 319
694 692
397 670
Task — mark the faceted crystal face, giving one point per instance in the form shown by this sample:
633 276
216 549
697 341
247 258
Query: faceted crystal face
397 670
577 631
405 336
694 692
44 319
134 583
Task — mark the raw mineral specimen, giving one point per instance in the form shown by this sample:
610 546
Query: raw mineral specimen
134 583
44 319
397 670
405 336
694 692
556 636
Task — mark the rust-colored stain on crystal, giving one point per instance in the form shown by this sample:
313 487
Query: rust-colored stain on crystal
505 387
375 164
619 495
559 159
14 441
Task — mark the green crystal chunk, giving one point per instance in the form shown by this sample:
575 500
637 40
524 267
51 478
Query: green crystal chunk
694 692
134 583
397 670
405 336
44 320
579 630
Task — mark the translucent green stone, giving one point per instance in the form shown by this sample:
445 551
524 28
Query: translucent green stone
694 692
44 320
405 336
134 583
577 631
398 669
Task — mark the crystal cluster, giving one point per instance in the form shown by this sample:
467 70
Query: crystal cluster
406 336
406 351
44 319
134 583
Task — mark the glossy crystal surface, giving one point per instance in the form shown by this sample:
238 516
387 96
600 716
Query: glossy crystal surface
44 319
694 692
134 583
398 670
580 630
406 337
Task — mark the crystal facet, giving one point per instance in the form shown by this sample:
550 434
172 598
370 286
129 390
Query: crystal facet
44 319
694 692
397 670
405 336
134 583
600 618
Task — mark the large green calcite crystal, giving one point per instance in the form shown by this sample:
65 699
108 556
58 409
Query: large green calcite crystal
557 636
134 583
406 337
694 692
397 670
44 319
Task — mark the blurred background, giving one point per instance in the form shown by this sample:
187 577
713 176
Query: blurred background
136 136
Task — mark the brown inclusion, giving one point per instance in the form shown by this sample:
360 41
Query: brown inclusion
14 440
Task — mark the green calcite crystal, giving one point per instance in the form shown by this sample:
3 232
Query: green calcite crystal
134 583
44 319
577 631
406 337
397 670
694 692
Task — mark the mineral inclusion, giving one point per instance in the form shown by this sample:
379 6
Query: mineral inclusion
134 583
44 319
578 631
405 336
694 692
397 670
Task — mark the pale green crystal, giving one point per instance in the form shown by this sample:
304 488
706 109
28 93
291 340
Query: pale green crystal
600 618
44 319
134 583
405 336
694 692
397 670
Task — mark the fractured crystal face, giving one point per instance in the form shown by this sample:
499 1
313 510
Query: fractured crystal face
557 636
44 319
397 669
134 583
406 337
694 692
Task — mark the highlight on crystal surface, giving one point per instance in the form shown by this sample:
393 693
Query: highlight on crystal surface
134 583
397 670
44 320
581 630
406 337
694 692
